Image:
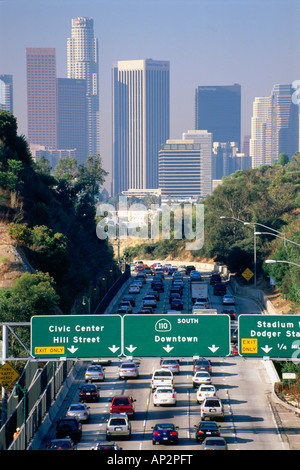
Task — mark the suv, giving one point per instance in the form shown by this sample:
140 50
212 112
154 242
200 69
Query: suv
161 377
202 364
118 425
214 279
219 289
69 427
122 404
212 408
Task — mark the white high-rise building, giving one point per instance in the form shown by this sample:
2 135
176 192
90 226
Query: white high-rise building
274 126
185 166
82 63
258 130
6 93
141 105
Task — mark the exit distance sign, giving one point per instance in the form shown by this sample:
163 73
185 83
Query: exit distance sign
269 335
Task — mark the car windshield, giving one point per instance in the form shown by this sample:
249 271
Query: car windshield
212 403
121 402
128 366
207 389
77 407
214 442
88 388
202 374
164 390
118 422
60 445
163 373
164 427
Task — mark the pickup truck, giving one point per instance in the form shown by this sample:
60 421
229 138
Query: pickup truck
161 377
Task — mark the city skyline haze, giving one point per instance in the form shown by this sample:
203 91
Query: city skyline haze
254 43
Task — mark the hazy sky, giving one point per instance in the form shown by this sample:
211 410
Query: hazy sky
255 43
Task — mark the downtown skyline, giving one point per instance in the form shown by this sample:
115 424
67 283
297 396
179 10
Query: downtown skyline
198 38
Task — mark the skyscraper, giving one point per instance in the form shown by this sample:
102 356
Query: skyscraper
218 110
41 96
274 126
6 93
141 124
185 166
258 130
72 116
82 63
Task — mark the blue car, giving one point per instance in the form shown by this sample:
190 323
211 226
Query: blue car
165 433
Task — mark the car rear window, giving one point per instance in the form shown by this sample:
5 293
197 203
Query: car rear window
163 373
118 422
121 402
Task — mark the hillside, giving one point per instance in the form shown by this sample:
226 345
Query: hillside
50 218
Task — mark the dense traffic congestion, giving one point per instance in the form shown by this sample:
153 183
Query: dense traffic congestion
137 403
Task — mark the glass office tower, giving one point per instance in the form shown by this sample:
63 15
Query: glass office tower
141 105
218 110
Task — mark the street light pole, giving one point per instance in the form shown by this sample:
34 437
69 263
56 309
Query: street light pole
87 300
271 261
284 238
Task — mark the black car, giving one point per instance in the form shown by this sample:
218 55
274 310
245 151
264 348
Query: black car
214 279
89 392
202 364
157 286
206 429
230 312
69 427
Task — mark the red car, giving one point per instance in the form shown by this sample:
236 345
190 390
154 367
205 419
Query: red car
122 404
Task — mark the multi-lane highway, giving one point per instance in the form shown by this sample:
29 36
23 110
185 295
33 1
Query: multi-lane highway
242 384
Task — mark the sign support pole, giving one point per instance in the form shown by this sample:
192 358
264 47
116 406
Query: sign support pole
4 357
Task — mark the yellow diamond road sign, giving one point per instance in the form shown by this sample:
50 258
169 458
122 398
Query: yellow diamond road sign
8 375
247 274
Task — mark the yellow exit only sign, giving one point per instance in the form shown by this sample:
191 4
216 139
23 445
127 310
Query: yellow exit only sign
249 345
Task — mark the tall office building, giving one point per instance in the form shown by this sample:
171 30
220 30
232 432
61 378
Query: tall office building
72 116
41 96
6 93
82 63
258 130
274 126
185 166
218 109
141 105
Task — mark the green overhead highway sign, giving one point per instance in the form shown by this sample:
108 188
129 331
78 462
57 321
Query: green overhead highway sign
76 336
269 335
176 335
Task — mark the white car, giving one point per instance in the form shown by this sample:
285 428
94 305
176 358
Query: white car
228 300
201 377
164 396
206 391
134 290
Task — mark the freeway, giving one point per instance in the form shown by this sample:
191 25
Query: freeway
242 384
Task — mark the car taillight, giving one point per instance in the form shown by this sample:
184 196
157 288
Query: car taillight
156 433
173 433
173 396
155 395
200 432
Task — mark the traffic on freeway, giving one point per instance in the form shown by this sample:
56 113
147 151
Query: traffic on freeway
174 403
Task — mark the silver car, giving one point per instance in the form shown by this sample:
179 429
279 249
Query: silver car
94 373
171 364
214 443
118 425
128 369
80 410
212 408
